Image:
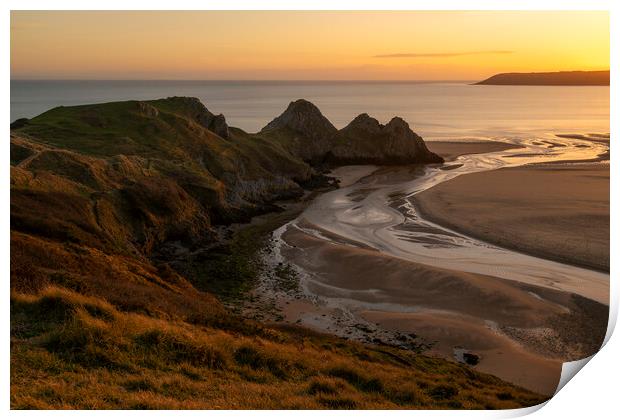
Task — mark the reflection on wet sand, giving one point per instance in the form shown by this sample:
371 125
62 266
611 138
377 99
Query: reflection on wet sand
366 257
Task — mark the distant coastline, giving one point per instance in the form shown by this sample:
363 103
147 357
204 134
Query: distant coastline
558 78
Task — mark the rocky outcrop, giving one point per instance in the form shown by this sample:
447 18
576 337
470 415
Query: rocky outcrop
214 123
218 125
303 130
147 109
193 108
306 133
365 140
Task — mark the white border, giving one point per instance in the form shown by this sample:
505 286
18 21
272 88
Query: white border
313 5
592 395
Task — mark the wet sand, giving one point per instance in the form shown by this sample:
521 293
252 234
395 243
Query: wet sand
521 332
348 175
555 211
355 281
453 149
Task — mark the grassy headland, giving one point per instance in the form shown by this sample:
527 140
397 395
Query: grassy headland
118 275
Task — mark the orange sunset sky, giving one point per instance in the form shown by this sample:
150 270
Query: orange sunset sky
315 45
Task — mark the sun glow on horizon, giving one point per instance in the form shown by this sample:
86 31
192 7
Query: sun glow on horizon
314 45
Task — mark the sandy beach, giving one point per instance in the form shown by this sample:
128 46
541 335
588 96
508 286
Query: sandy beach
357 278
555 211
495 319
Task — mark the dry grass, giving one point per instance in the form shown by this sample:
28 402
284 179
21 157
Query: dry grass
128 283
73 351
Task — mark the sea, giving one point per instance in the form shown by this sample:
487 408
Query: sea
452 110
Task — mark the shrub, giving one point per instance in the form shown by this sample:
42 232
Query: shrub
504 396
338 403
357 380
180 348
321 387
257 359
89 342
140 384
406 395
443 392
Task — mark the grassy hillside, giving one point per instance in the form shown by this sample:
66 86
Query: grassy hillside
118 276
74 351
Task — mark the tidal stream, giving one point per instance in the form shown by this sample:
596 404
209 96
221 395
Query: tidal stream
377 212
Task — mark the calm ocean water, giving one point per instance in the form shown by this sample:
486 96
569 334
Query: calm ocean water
435 110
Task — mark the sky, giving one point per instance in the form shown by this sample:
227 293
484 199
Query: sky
296 45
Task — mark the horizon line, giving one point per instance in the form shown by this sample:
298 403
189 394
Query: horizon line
229 80
52 79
